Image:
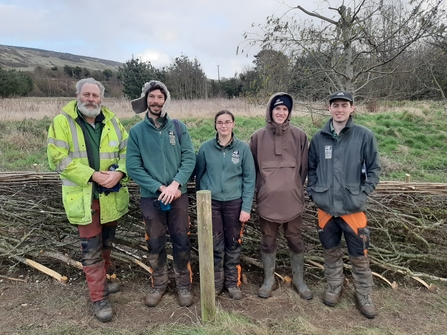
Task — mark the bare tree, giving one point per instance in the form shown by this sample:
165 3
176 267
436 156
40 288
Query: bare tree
359 44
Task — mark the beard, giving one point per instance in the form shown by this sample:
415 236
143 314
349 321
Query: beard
155 112
89 112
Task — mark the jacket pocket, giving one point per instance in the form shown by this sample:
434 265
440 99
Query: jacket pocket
320 196
75 206
122 200
355 198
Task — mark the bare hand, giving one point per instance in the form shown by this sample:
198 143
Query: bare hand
244 217
169 193
107 179
113 178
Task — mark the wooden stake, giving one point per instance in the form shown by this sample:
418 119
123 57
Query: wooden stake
48 271
206 257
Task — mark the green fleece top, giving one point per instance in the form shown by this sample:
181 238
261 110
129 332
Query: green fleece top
155 157
228 172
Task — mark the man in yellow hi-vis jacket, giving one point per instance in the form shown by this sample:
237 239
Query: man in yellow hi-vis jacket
87 147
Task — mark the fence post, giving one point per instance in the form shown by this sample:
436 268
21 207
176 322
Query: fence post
206 258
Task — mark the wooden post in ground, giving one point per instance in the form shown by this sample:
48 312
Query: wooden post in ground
206 258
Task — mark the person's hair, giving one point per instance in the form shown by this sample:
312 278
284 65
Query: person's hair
154 86
93 81
222 112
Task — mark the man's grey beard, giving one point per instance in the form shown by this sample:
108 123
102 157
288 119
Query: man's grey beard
89 112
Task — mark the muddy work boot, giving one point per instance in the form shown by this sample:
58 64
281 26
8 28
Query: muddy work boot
185 297
269 284
297 263
103 310
154 296
365 305
235 293
113 287
332 295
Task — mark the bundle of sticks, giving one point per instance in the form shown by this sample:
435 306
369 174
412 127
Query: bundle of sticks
407 222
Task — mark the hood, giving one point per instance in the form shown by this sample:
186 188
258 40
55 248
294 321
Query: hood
140 105
268 112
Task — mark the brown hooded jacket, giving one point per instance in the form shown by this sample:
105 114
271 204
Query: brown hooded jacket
281 156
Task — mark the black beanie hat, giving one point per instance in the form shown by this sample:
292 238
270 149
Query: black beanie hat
282 100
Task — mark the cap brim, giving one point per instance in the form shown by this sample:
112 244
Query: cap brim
139 105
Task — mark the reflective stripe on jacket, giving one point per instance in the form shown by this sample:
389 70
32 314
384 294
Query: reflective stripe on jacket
67 155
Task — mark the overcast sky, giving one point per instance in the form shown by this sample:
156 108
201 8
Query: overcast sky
159 31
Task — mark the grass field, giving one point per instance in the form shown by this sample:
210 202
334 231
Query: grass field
412 136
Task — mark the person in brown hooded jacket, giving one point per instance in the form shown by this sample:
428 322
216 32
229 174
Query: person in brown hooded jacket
280 152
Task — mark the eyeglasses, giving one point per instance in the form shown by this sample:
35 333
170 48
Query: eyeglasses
226 123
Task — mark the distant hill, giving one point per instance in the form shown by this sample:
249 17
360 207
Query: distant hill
28 59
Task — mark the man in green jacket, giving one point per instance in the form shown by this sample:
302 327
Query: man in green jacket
87 147
161 159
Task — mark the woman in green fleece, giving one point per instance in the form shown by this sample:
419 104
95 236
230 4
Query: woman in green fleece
225 166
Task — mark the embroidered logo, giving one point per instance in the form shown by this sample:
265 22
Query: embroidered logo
172 137
328 151
235 157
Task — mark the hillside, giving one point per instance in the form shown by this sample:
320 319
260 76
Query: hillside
28 59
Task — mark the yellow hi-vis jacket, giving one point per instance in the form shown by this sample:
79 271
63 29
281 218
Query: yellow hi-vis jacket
67 155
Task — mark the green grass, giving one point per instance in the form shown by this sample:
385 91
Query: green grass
412 143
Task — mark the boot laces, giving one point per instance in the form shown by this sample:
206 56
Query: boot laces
334 289
365 299
184 291
155 291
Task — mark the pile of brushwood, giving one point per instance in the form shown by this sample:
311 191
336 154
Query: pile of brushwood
407 223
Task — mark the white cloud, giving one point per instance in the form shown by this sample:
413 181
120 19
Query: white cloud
119 30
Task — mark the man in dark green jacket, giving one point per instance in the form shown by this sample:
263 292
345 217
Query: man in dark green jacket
160 159
344 168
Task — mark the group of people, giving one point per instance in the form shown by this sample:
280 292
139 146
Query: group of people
96 158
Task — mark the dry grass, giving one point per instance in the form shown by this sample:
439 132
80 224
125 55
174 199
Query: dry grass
38 108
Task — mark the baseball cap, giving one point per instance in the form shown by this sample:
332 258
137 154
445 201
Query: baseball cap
343 95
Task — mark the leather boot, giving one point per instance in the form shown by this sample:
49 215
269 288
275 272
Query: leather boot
154 296
333 271
103 310
235 293
363 283
297 263
269 284
185 297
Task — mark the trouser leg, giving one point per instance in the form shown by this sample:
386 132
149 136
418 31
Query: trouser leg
218 246
233 242
155 234
91 256
178 226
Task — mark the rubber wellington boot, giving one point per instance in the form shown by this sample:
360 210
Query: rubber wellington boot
297 263
363 283
269 284
333 271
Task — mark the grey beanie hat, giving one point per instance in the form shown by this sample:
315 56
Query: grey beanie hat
140 105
